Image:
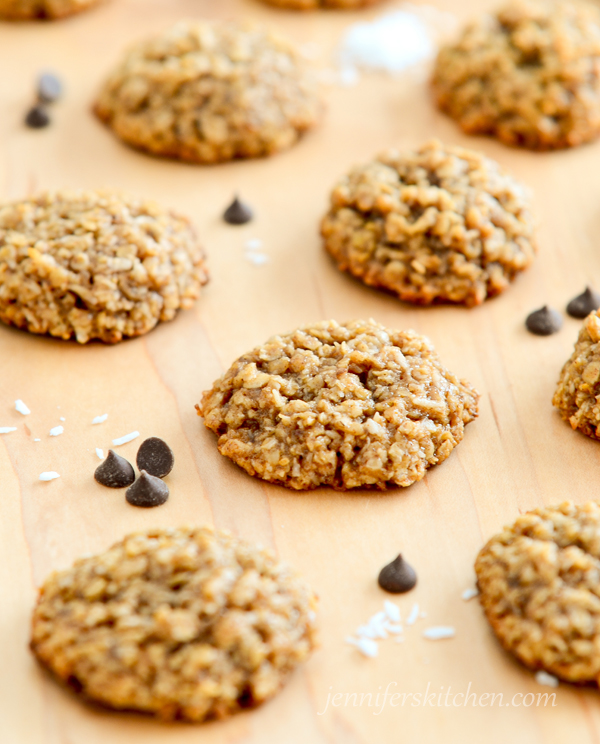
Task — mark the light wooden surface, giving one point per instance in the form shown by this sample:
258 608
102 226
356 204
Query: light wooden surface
518 455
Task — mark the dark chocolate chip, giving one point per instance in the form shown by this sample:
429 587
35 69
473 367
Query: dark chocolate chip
237 213
115 471
397 577
147 491
544 322
37 117
155 457
584 304
49 88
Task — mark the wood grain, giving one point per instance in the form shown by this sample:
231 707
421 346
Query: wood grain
518 455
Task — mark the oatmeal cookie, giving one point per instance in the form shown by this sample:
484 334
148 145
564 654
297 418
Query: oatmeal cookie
441 224
183 623
530 74
208 92
22 10
577 395
540 589
349 405
314 4
95 265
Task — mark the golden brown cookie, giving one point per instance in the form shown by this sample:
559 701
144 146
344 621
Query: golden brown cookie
529 75
22 10
207 92
181 623
350 405
578 390
540 589
315 4
439 224
95 264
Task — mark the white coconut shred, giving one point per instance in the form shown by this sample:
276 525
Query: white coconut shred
393 42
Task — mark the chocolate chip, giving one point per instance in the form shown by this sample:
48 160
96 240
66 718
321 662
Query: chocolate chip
49 88
237 213
397 577
37 118
544 322
147 491
155 457
584 304
115 471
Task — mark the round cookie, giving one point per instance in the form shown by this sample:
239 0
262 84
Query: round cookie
578 389
95 265
181 623
315 4
529 75
22 10
437 225
208 92
539 581
349 405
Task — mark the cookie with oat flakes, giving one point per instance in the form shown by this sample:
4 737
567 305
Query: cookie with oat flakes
539 581
207 92
437 225
23 10
184 624
529 74
351 405
578 390
95 265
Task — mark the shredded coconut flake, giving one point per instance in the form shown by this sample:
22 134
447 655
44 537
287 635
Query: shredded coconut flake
549 680
254 245
366 631
392 611
394 629
100 453
7 429
21 407
37 440
49 475
391 43
127 438
57 431
62 418
414 615
469 594
367 647
439 633
100 419
377 625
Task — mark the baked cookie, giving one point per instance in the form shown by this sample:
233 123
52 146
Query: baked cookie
315 4
530 74
22 10
182 623
349 405
539 581
441 224
578 392
95 264
207 92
